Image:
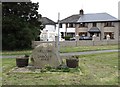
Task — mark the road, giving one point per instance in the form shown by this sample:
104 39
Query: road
69 54
87 52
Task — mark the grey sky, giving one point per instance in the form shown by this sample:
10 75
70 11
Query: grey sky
50 8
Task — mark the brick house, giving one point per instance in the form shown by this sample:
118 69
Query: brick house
99 24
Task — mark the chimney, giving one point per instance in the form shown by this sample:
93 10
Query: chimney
81 12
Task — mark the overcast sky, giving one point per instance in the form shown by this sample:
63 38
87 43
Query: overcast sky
50 8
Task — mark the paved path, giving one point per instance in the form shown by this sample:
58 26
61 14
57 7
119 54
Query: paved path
70 54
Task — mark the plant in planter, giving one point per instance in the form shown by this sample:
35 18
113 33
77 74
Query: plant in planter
48 67
22 61
72 62
63 68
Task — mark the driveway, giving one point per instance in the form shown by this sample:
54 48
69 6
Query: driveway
69 54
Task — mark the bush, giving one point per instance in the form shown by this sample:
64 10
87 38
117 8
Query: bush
67 37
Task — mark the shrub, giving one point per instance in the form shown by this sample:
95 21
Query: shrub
67 37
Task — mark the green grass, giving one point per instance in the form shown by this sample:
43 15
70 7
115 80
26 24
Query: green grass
95 69
66 49
87 48
17 52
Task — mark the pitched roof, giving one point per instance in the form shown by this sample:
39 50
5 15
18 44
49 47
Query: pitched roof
95 17
73 18
47 21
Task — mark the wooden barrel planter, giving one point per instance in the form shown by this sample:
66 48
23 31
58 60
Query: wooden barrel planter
72 63
22 61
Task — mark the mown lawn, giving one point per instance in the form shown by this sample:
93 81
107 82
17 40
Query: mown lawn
95 69
88 48
66 49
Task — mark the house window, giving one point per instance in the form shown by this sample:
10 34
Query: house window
71 34
66 25
109 33
94 24
60 25
109 24
82 33
83 25
62 34
71 25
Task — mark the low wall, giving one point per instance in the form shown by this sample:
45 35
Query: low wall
77 43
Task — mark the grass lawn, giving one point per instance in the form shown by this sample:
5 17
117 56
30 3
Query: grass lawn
95 69
66 49
23 52
87 48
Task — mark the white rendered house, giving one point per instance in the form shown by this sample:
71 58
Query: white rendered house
50 31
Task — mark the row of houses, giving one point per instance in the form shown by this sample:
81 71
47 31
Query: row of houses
99 24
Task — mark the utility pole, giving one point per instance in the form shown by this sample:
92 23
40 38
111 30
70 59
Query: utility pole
58 31
58 42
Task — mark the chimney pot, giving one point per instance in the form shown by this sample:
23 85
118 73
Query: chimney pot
81 12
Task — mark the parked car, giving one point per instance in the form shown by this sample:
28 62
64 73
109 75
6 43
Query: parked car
72 39
85 38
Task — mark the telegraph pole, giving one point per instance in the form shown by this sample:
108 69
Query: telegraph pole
58 43
58 31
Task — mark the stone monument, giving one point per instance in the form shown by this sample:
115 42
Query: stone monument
45 54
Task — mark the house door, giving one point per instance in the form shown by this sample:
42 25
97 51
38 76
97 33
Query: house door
97 34
91 34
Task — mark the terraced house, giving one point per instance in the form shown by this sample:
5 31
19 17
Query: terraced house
99 24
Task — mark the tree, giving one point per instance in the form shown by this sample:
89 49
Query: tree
20 24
